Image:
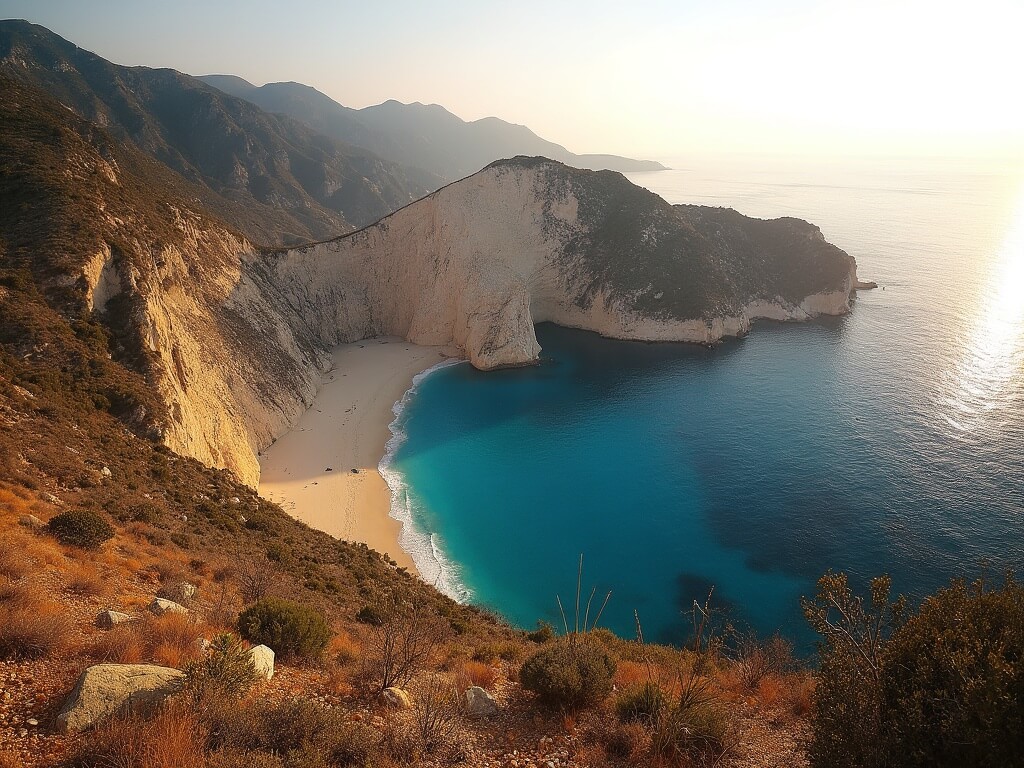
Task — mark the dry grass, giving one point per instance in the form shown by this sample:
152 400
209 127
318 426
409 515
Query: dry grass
32 631
123 644
630 673
169 640
173 738
343 649
478 673
172 638
14 563
9 760
627 743
86 579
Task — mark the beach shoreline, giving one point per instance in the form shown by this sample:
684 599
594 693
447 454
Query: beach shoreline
324 471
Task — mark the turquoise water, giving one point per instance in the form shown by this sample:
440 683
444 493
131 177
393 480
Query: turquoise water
888 440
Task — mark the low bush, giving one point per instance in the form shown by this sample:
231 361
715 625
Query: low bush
32 630
627 743
478 673
80 528
573 673
85 579
172 738
290 629
123 644
692 735
226 671
173 639
642 704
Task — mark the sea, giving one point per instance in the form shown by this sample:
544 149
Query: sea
887 441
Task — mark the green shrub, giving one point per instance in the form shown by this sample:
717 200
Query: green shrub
80 528
290 629
371 615
695 735
573 673
952 687
643 704
543 634
226 671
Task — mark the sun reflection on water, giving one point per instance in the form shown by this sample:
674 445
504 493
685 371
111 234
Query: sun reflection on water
993 359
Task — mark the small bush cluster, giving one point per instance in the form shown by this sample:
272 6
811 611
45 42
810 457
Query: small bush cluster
226 671
290 629
30 627
80 528
643 704
570 674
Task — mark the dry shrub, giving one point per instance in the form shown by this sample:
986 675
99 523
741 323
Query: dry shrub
631 673
85 579
123 644
173 738
10 760
14 564
478 673
17 593
343 649
173 638
32 631
627 742
233 758
798 694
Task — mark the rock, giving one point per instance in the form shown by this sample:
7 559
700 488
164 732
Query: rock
235 500
106 472
31 522
864 285
108 618
262 661
397 698
32 721
203 645
479 703
108 689
160 606
179 592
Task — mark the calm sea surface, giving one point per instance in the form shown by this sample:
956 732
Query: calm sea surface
889 440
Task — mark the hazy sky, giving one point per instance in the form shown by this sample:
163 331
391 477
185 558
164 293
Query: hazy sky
647 78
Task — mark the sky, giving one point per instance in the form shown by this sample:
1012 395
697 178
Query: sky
648 78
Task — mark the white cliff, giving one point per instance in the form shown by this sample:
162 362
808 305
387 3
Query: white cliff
239 336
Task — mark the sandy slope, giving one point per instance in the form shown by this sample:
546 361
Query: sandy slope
347 428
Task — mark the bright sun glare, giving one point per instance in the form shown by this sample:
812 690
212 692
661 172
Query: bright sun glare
994 356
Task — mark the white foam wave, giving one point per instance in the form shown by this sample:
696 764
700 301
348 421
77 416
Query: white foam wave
424 547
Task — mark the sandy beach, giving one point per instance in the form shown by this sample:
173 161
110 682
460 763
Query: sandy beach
309 470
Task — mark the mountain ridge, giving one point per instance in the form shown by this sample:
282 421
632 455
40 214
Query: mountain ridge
417 135
296 184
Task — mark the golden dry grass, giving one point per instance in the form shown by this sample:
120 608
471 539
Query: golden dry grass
123 644
87 580
343 649
173 738
478 673
32 631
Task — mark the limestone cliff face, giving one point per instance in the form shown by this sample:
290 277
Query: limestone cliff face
479 262
239 336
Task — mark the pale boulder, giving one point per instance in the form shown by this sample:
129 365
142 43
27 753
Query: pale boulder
397 698
180 592
104 690
479 703
160 606
108 619
262 661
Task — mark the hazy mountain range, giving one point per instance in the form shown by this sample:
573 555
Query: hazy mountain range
425 136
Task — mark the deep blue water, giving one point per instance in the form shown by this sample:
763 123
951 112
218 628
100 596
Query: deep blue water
888 440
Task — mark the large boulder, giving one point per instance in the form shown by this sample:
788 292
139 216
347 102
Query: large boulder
108 619
262 661
160 606
398 698
110 689
32 522
479 703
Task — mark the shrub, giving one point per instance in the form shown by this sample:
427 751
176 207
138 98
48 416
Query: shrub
627 743
371 615
643 704
572 673
543 634
478 673
31 631
290 629
80 528
401 644
123 644
85 579
952 682
173 738
227 671
173 638
696 735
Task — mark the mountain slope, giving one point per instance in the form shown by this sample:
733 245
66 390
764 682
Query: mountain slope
416 135
295 184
